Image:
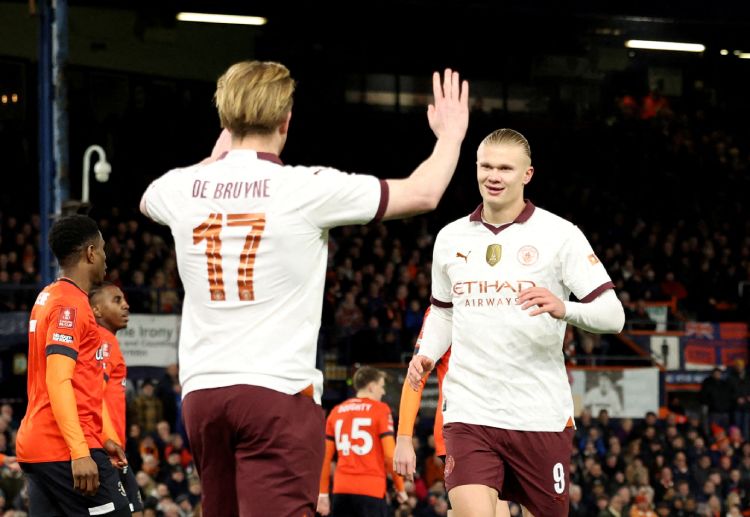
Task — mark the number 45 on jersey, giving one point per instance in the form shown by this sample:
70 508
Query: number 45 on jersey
343 444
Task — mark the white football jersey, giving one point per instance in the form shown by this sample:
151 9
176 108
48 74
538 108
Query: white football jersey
507 368
251 237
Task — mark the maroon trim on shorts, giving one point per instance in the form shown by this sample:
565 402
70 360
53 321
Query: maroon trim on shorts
269 443
270 157
383 204
593 295
528 210
443 305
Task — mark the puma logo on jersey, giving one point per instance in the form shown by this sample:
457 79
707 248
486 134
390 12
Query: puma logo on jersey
465 257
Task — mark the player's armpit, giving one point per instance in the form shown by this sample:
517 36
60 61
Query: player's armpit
325 474
409 407
63 403
389 447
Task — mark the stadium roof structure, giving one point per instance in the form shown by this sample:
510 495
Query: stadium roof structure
398 35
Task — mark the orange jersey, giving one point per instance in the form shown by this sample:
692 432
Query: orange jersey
61 322
115 372
356 427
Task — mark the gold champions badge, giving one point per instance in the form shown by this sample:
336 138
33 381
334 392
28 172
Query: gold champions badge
494 252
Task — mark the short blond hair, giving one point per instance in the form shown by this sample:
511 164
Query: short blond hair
508 137
254 97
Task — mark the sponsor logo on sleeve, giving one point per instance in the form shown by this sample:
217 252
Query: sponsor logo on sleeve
32 325
62 338
593 259
67 318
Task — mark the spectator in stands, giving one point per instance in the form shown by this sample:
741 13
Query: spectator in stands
138 298
148 408
654 104
614 508
639 318
168 390
740 383
718 399
642 506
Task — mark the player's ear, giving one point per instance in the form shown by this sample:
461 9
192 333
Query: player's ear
90 253
97 312
284 127
527 175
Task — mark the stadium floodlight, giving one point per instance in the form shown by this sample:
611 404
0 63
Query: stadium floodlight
665 45
744 55
102 170
232 19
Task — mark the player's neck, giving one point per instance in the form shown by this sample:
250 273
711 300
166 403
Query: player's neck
364 394
503 215
104 324
272 143
79 277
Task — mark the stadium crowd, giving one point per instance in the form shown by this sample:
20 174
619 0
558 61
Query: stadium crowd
681 465
664 237
696 254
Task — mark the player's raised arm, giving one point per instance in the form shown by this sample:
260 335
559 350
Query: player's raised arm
449 120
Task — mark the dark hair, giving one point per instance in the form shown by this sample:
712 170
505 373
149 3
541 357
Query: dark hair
98 289
69 235
366 375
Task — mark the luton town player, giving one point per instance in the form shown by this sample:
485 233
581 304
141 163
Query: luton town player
112 311
501 281
360 432
59 442
405 458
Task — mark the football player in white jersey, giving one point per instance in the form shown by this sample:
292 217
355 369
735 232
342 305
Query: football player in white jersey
501 280
251 240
